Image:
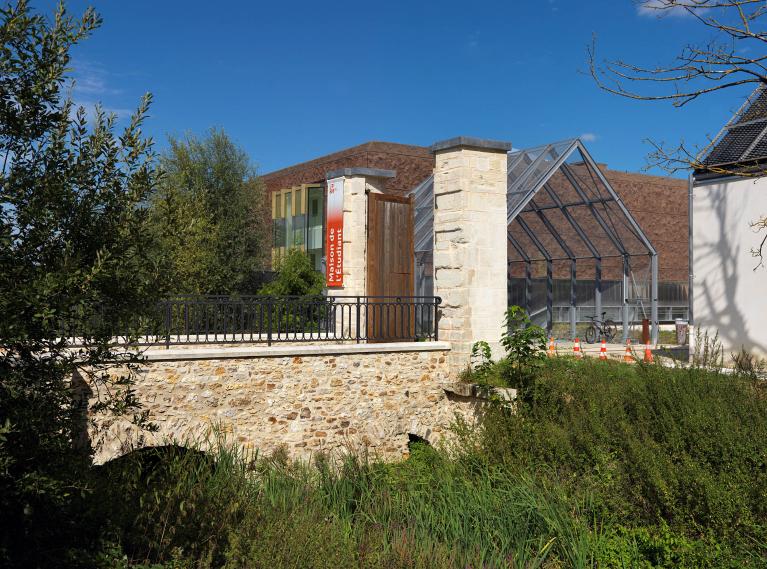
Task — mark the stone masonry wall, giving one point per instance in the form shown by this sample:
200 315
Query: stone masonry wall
305 403
470 268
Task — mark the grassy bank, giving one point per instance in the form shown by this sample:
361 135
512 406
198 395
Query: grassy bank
671 462
602 465
429 511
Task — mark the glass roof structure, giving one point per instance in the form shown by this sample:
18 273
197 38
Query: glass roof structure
564 218
561 207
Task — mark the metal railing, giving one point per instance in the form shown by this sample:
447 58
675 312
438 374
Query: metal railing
263 319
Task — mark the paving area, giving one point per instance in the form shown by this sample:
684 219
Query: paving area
614 351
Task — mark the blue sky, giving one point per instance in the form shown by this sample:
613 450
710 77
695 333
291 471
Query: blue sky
293 80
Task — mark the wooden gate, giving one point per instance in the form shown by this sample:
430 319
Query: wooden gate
390 268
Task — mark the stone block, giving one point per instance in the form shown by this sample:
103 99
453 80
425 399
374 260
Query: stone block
478 207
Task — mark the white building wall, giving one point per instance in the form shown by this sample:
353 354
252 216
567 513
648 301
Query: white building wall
728 295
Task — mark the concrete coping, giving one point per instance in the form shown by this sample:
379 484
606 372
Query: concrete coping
361 171
480 391
471 142
222 353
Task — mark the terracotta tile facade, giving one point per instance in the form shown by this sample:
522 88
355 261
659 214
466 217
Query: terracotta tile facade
660 207
413 164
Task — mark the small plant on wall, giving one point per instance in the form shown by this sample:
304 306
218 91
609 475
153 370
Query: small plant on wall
481 362
525 345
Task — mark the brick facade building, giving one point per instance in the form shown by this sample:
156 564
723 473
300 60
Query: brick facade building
659 204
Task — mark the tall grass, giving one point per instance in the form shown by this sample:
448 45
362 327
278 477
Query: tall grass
227 509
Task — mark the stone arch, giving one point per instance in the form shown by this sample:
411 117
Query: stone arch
413 439
148 460
415 428
156 452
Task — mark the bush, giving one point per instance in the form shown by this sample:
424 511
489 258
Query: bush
225 509
646 444
295 277
525 345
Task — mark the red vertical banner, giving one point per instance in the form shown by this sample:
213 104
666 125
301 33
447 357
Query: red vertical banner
334 236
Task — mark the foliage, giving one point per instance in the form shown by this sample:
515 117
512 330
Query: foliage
208 214
525 346
481 360
708 353
295 277
73 256
647 445
747 364
233 510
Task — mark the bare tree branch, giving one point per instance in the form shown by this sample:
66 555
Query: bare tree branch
737 56
758 252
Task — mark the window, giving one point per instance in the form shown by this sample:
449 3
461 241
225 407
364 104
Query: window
278 225
314 237
289 219
298 216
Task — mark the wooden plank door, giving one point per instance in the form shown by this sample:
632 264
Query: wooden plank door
390 268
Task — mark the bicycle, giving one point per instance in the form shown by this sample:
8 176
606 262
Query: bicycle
604 328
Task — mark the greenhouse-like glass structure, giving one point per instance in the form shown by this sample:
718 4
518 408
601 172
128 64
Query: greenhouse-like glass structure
574 249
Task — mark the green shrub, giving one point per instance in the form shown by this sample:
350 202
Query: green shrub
525 346
747 364
708 352
481 365
295 277
649 445
225 510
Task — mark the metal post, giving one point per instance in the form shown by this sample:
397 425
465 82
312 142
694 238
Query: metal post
167 325
549 296
528 285
358 319
598 288
269 321
625 306
437 302
573 300
654 299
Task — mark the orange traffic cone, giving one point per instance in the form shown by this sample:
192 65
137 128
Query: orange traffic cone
627 355
603 351
577 349
552 347
647 354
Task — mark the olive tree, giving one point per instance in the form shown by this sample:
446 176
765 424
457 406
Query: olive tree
209 216
73 262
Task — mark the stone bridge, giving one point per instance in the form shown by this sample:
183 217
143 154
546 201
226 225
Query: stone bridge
330 396
305 398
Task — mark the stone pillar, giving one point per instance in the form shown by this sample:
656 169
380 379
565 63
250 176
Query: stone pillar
470 243
358 183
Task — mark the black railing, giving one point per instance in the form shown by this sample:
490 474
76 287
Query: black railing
253 319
